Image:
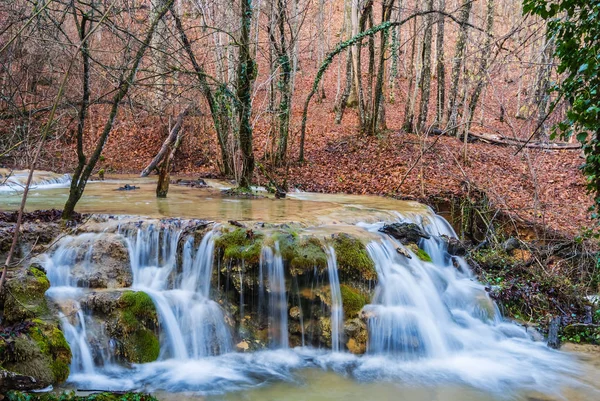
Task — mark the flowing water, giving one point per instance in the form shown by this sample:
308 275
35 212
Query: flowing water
337 308
434 334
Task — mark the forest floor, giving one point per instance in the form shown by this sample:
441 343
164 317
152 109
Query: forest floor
541 187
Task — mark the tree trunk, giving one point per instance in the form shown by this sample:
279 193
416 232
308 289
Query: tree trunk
217 102
441 68
426 70
457 65
245 77
481 78
77 189
166 146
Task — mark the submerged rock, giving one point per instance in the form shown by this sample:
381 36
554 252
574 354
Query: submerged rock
14 381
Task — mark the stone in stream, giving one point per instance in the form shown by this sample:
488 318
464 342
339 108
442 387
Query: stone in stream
127 187
102 261
406 233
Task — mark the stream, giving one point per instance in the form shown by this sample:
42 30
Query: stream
433 331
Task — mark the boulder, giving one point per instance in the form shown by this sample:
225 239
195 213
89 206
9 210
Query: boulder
130 321
40 352
406 233
102 261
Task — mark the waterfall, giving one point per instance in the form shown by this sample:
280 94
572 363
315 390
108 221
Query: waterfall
337 308
272 263
41 179
193 324
426 321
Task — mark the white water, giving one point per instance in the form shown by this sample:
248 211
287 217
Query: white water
193 324
337 308
271 264
429 324
16 180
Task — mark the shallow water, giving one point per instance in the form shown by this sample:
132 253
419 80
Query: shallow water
209 203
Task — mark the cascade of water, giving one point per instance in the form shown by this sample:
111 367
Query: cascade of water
194 325
82 360
337 308
272 262
429 309
18 179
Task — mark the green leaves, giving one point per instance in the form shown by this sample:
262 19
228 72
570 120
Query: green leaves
574 27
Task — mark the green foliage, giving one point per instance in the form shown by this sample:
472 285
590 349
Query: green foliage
71 396
581 334
574 28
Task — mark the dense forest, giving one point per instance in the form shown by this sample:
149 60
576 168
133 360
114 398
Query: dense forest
397 98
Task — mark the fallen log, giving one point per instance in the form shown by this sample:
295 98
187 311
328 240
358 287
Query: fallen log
498 139
166 146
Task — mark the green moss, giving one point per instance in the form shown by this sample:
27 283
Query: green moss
136 322
142 346
493 259
26 299
421 254
353 301
52 343
240 244
352 258
309 254
136 306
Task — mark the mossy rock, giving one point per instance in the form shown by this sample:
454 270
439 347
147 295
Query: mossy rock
135 328
421 254
25 296
352 300
41 352
308 256
352 258
240 244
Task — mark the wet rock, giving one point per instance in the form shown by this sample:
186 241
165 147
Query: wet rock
406 233
353 259
40 352
127 187
357 336
295 313
134 328
24 298
102 261
199 183
455 247
14 381
553 338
